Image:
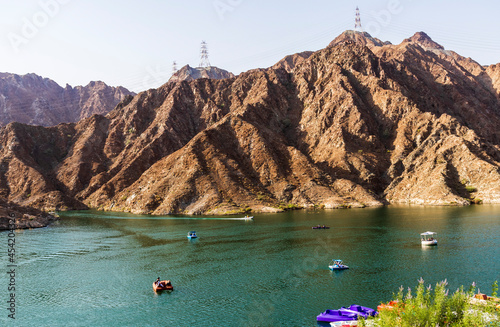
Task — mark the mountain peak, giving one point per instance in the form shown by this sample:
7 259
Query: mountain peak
363 38
187 73
424 40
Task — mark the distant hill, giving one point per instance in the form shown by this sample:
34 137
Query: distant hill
187 73
34 100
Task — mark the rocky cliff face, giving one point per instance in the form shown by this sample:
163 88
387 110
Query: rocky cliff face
187 73
35 100
351 126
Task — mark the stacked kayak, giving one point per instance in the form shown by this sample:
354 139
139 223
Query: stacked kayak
336 315
346 314
365 312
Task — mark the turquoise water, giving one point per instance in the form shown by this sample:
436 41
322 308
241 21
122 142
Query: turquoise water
97 269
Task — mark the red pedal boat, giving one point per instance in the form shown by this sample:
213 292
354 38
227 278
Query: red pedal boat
163 285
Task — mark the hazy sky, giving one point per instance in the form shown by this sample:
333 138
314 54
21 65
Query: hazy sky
133 43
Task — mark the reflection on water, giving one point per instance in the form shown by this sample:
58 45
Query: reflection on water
96 269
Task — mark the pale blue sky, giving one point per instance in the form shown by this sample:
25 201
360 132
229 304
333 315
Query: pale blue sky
133 43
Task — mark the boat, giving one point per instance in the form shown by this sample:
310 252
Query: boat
346 316
192 235
162 285
336 315
428 238
352 323
248 218
361 311
337 265
321 227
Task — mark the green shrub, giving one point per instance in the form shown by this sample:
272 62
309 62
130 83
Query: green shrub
471 189
428 307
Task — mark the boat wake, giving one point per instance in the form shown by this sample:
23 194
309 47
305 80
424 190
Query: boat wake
138 217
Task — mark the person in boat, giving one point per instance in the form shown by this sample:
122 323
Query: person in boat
158 282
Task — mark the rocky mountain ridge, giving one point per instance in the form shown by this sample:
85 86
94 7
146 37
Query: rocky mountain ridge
34 100
355 124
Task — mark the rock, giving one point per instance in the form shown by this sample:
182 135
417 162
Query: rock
22 217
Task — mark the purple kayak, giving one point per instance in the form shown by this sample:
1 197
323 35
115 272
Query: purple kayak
365 310
359 311
336 315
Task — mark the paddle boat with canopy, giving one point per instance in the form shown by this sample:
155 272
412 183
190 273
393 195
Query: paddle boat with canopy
428 238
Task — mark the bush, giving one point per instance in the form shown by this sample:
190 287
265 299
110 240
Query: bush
471 189
436 307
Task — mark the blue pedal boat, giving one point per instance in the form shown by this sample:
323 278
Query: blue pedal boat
337 265
192 235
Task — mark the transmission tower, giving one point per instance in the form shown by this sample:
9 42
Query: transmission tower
357 26
174 67
204 62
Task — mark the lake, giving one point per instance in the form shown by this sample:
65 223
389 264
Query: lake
97 269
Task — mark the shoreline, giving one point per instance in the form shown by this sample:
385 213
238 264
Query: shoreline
23 217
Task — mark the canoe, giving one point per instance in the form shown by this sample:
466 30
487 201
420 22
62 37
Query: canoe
164 285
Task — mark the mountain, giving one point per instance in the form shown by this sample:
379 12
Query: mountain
35 100
290 62
355 124
188 73
362 38
424 41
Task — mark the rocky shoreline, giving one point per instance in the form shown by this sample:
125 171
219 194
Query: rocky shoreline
24 217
